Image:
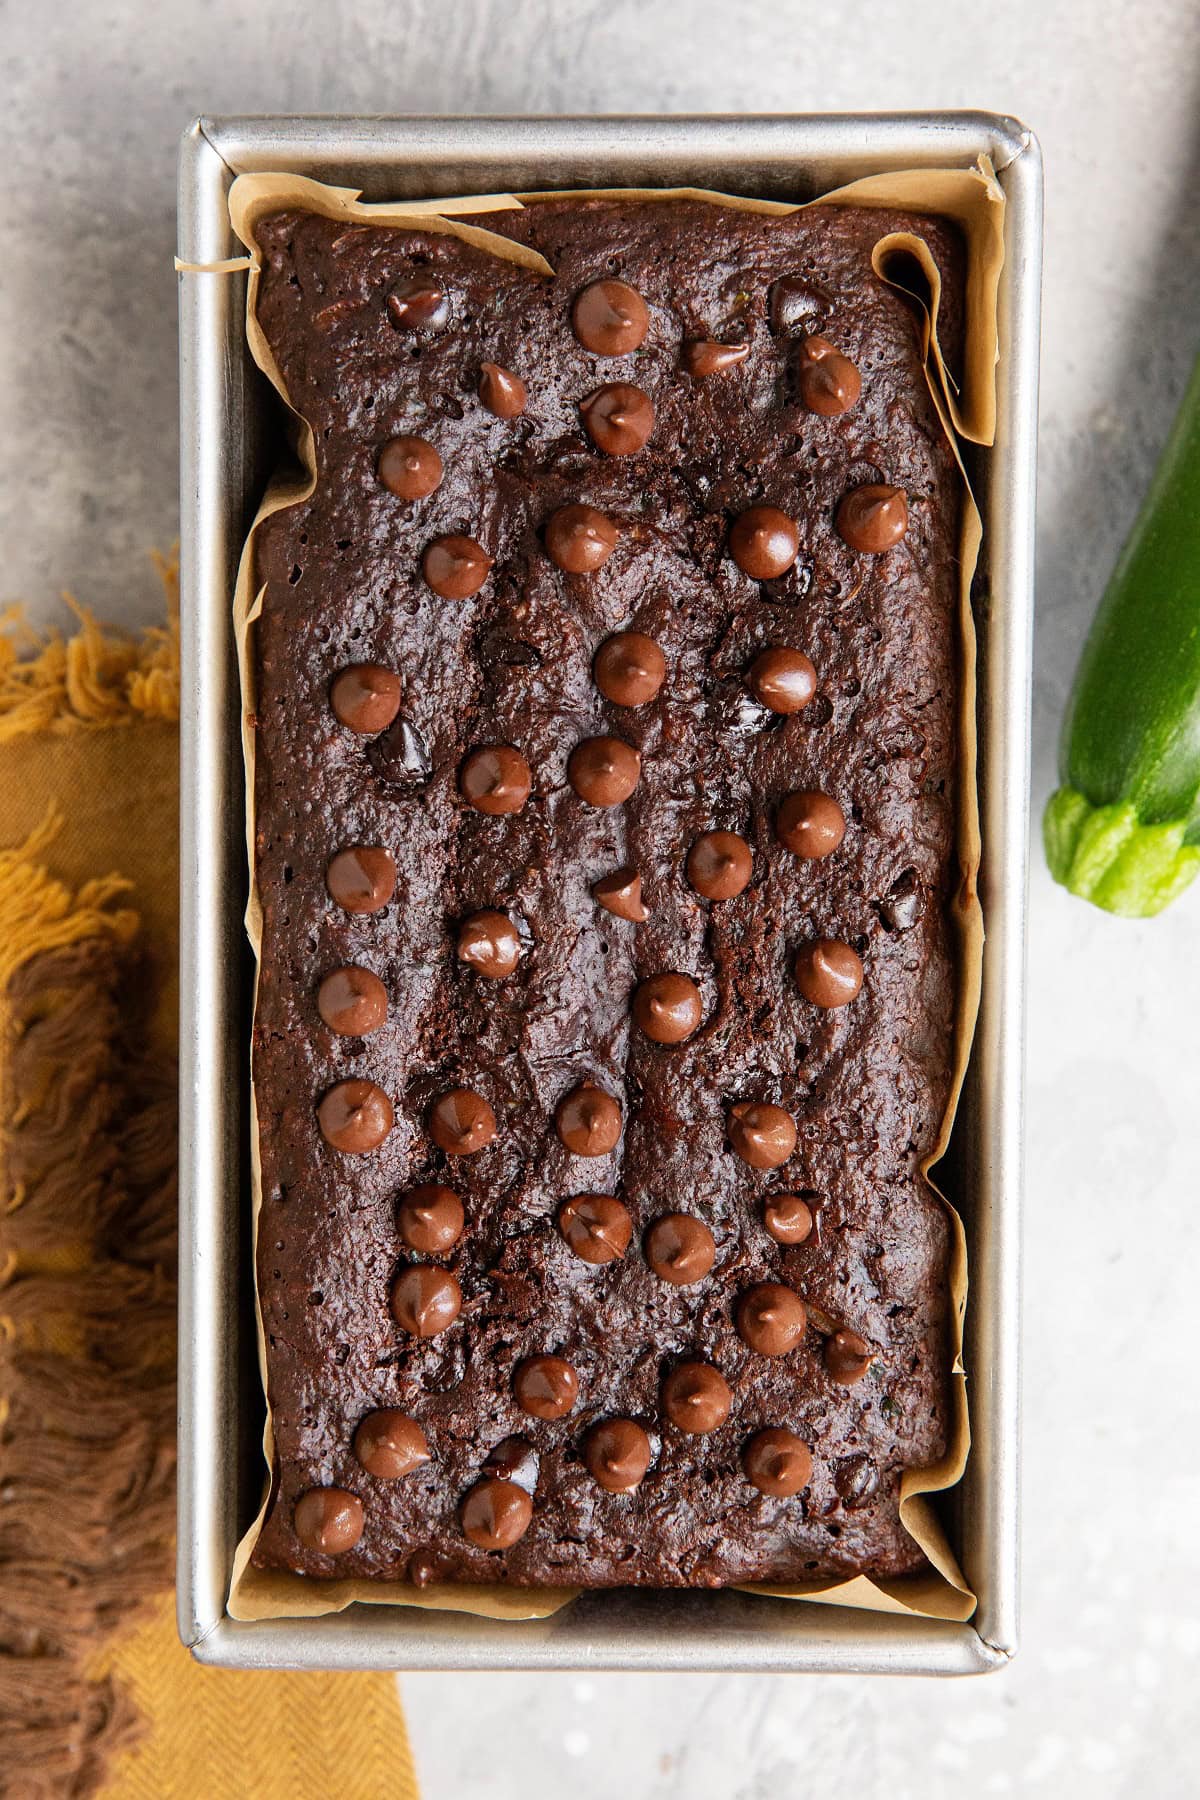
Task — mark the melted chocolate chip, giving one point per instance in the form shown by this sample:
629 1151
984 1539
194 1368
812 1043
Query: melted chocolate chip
847 1357
498 650
401 757
488 943
418 304
455 567
422 1568
461 1122
668 1008
514 1459
361 879
604 770
546 1387
704 356
787 1218
495 779
771 1318
580 539
856 1479
761 1134
904 903
795 303
352 1002
829 382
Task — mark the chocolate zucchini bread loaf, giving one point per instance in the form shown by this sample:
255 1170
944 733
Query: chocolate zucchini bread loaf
605 839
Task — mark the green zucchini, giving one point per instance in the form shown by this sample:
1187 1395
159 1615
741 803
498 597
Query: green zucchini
1123 830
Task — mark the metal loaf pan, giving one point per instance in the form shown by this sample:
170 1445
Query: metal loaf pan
225 409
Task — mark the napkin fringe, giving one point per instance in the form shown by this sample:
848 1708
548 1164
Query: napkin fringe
87 1305
97 676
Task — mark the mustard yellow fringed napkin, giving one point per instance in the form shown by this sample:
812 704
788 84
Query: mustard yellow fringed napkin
96 1694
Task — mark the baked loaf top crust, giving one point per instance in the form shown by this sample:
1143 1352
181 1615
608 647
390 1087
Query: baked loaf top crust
528 1033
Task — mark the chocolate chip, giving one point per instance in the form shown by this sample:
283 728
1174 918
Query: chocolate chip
425 1301
410 468
401 757
430 1219
501 391
629 668
904 902
763 542
495 1514
705 356
390 1445
610 318
696 1398
795 303
856 1479
352 1001
498 649
777 1462
604 770
680 1249
621 893
618 418
461 1122
829 382
418 304
355 1116
597 1227
617 1453
588 1120
810 824
668 1007
514 1459
783 680
771 1318
829 973
328 1520
365 697
546 1387
872 519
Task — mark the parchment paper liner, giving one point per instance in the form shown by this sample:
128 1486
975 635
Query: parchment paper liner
974 200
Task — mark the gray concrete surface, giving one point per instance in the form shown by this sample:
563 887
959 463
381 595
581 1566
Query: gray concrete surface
1101 1699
